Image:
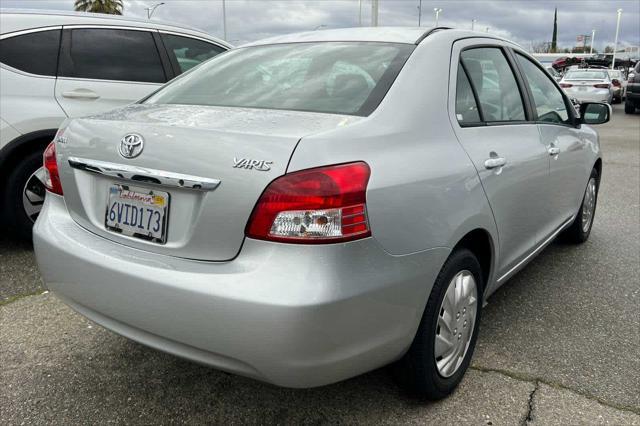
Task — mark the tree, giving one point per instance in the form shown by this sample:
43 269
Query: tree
554 38
608 49
111 7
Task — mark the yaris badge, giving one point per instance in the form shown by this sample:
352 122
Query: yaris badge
131 145
247 163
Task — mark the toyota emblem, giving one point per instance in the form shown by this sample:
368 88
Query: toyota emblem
131 145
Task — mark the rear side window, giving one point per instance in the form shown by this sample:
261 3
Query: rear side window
189 52
495 84
547 99
109 54
35 53
466 107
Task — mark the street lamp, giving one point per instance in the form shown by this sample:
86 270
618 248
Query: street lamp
437 10
593 35
488 28
419 12
615 44
473 24
319 26
150 10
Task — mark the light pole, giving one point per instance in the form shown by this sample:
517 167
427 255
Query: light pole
615 43
437 10
420 13
150 10
224 20
374 13
360 13
473 24
593 35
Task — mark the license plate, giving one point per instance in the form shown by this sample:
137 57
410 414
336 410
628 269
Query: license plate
138 212
582 89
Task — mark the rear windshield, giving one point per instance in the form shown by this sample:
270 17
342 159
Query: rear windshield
330 77
586 75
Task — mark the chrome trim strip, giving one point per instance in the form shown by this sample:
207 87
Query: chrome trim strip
30 30
520 264
144 175
195 38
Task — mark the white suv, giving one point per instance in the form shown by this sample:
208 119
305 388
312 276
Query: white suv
59 65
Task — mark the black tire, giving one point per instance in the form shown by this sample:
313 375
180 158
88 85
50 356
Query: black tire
575 233
18 223
629 108
617 100
417 371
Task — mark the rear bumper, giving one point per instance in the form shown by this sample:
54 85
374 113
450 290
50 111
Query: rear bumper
590 96
292 315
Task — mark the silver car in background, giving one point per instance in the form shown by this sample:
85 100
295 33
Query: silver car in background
588 85
618 84
311 207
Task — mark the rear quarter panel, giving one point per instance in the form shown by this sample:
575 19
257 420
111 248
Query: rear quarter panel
424 191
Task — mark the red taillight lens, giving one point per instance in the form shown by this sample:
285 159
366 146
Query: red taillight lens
51 175
601 86
565 85
322 205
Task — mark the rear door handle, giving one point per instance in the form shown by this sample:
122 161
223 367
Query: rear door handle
81 94
553 150
494 162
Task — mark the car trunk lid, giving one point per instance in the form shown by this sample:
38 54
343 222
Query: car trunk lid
213 163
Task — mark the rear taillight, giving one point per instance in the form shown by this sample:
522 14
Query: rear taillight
601 86
51 175
322 205
565 85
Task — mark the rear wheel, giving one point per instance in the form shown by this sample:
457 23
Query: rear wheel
580 229
443 346
24 195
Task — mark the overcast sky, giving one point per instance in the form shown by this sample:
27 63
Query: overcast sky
522 21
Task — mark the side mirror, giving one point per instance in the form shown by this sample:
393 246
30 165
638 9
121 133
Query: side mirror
595 113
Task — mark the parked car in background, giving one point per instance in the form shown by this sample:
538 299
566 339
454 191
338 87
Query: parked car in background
618 84
588 85
632 99
59 65
310 207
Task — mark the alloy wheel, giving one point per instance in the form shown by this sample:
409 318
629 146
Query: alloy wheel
456 322
33 194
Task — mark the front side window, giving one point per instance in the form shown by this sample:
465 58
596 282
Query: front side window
547 98
112 54
494 82
35 53
189 52
466 107
332 77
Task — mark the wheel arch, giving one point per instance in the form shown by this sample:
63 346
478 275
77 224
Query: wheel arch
22 145
481 244
598 167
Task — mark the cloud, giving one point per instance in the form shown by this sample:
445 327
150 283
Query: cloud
522 21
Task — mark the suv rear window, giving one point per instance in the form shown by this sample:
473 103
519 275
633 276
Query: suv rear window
35 53
332 77
112 54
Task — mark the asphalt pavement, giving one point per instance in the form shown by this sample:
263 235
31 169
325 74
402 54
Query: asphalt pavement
559 344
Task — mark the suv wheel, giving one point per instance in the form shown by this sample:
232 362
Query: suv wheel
24 195
629 107
443 346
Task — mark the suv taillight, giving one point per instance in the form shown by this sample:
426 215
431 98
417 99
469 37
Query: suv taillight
321 205
51 175
565 85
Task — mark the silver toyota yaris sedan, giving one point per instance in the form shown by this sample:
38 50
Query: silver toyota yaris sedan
310 207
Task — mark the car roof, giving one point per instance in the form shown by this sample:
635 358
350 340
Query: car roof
405 35
23 19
